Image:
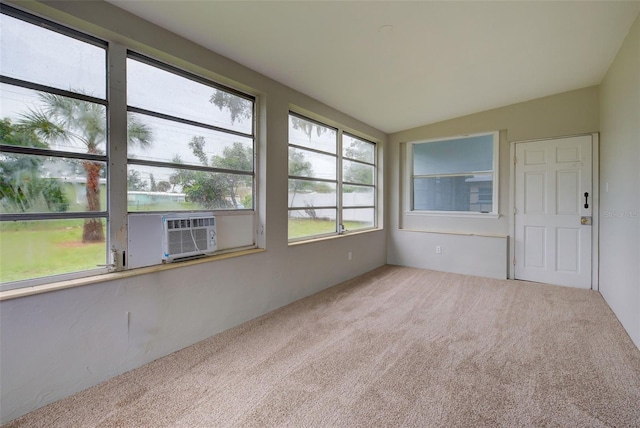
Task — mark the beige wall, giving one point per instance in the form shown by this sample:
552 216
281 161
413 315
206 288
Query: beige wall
57 343
569 113
620 184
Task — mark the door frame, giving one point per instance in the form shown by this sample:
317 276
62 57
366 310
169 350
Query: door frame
595 200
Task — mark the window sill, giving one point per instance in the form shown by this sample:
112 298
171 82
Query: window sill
441 232
328 238
95 279
453 214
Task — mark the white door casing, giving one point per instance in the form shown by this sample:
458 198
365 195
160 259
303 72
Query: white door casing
551 179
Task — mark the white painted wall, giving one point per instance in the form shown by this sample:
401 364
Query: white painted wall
477 246
58 343
620 184
466 254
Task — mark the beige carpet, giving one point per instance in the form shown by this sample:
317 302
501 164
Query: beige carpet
397 347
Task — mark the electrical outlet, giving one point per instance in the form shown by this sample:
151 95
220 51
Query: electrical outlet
349 255
438 249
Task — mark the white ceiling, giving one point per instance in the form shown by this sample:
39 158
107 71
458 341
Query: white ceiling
439 60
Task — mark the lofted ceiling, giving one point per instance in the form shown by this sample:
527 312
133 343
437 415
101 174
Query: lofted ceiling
396 65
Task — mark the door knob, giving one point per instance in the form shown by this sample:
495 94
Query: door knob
585 220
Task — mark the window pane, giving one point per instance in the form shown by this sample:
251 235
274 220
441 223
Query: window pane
304 223
358 218
355 148
309 134
171 141
80 126
33 249
354 196
307 196
303 163
32 53
354 172
304 193
461 193
51 185
174 189
155 89
464 155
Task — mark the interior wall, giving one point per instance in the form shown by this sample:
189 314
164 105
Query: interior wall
620 184
477 246
58 343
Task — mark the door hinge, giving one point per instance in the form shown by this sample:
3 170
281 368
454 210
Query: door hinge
514 261
515 210
515 160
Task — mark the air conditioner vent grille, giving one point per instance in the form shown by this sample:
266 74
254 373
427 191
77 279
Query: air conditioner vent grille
188 237
188 223
187 241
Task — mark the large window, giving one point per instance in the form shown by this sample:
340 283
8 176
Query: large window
332 180
191 144
184 143
457 175
53 160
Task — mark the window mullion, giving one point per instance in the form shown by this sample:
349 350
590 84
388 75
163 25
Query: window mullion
117 150
458 174
339 183
189 167
50 89
169 117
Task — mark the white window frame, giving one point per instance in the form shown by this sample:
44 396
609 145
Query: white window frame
409 179
340 131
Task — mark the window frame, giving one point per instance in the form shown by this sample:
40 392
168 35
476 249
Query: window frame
115 211
373 186
176 119
61 154
339 181
410 178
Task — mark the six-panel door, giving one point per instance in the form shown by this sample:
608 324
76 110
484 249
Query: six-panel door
552 244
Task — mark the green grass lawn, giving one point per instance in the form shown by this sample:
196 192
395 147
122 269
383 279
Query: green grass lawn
301 227
41 248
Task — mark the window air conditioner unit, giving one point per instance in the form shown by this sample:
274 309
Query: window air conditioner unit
186 237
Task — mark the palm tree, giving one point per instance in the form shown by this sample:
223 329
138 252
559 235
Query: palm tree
62 119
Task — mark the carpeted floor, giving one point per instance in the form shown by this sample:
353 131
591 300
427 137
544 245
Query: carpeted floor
397 347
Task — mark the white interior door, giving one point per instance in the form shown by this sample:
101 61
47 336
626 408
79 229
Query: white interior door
553 197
